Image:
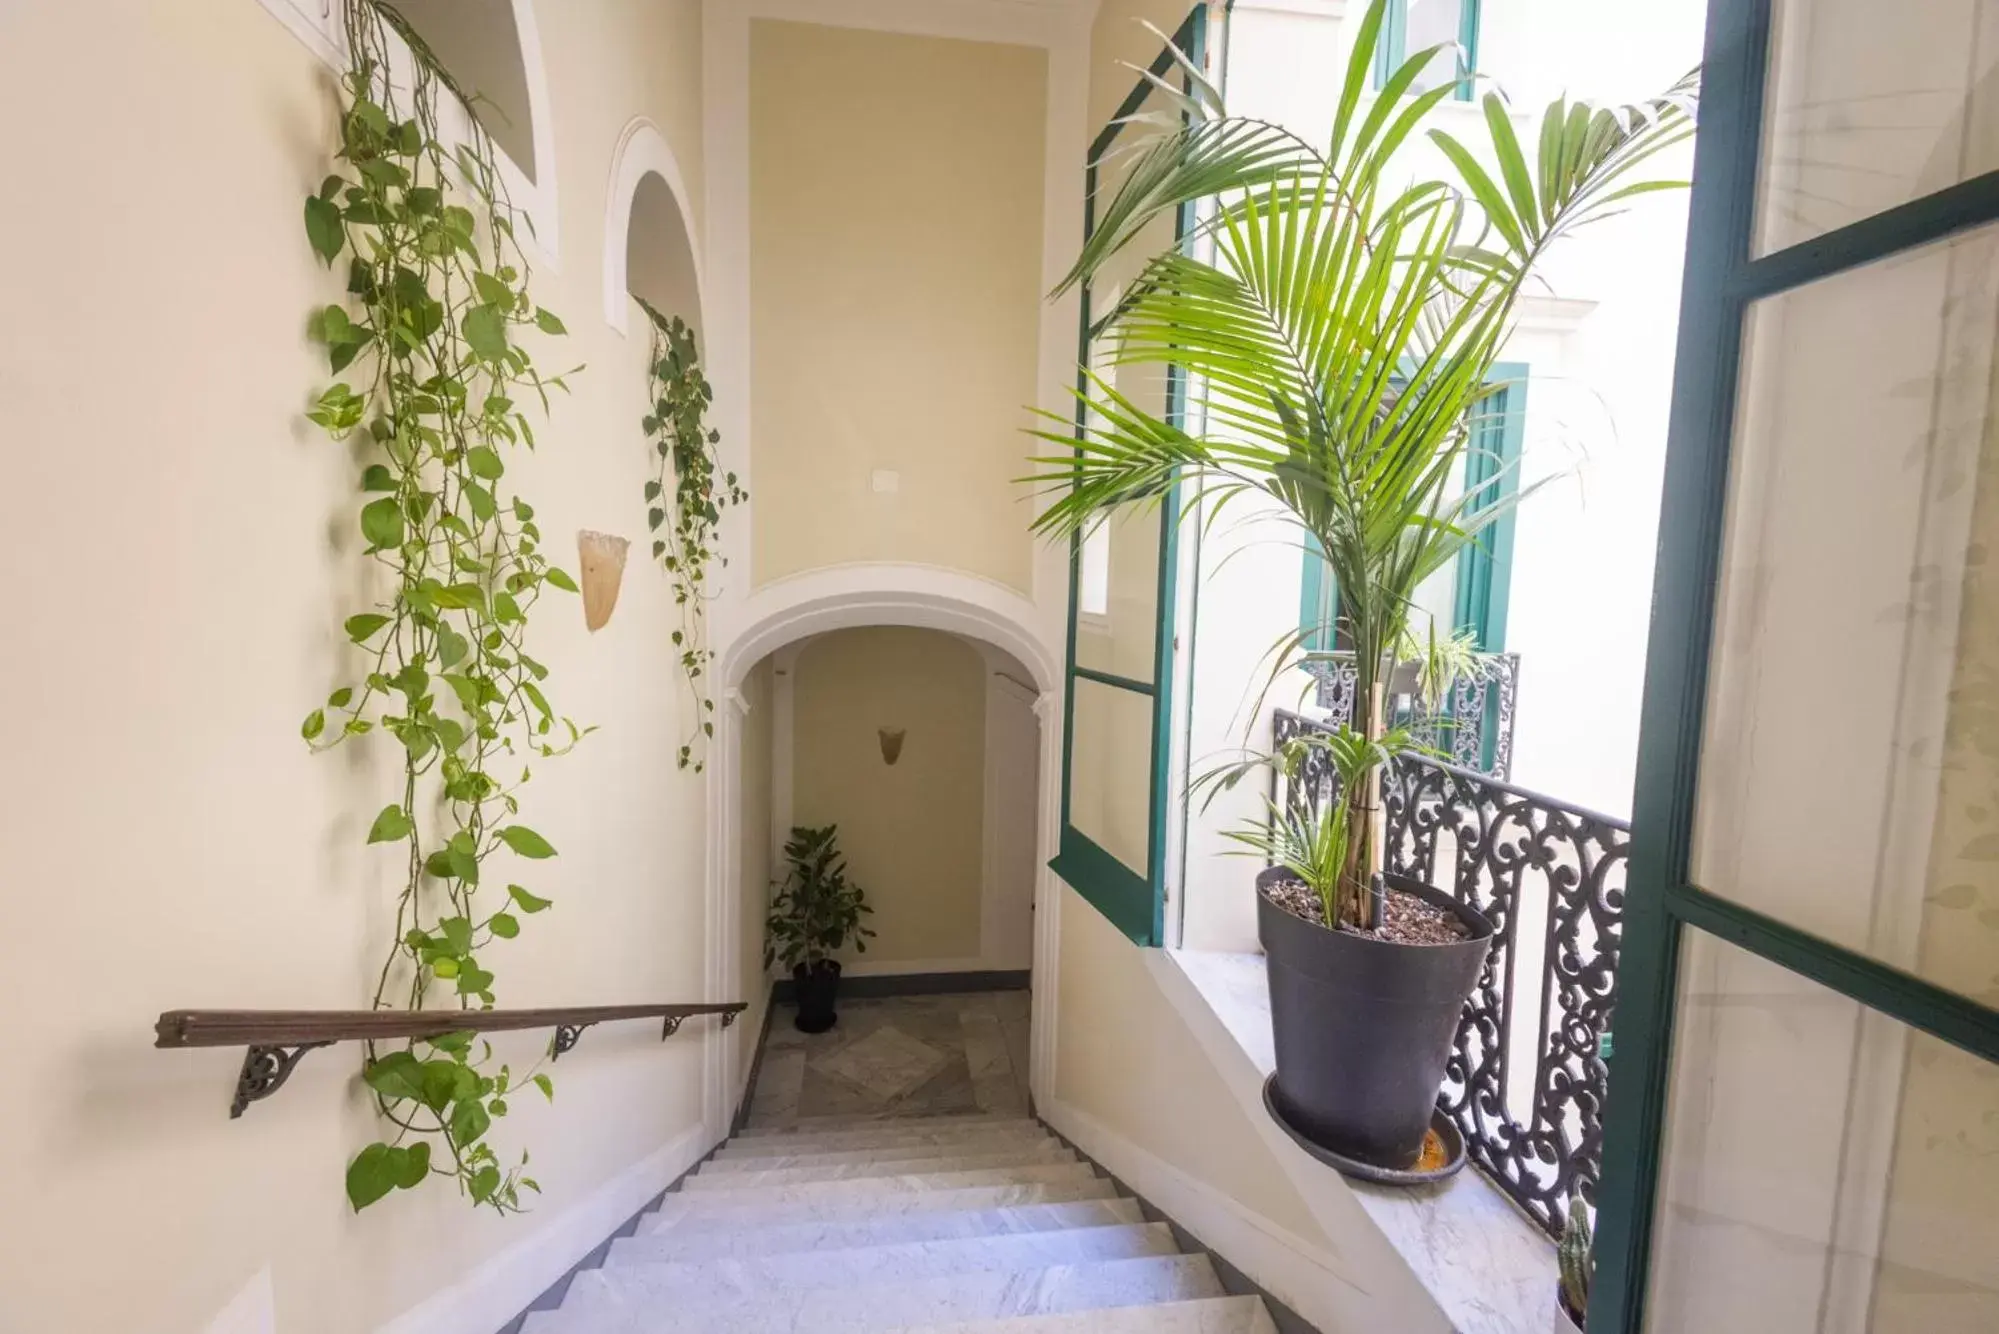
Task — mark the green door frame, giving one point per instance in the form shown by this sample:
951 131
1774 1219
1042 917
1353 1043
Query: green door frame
1134 903
1722 281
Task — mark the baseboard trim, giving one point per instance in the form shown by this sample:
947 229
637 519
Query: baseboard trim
875 985
1215 1215
501 1293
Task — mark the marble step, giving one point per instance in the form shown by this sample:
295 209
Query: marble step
1032 1174
1207 1315
910 1144
707 1243
714 1212
610 1303
861 1131
1048 1151
676 1283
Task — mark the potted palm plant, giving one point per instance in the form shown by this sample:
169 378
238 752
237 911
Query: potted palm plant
816 913
1340 328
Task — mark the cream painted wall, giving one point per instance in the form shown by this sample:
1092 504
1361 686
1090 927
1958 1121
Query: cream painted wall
754 858
165 840
912 831
895 258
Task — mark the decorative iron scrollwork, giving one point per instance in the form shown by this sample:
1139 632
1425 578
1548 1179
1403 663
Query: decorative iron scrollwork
670 1027
1517 857
1474 726
265 1069
729 1017
566 1036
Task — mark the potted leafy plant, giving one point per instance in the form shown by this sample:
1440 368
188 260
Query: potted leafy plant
1572 1294
1340 327
817 912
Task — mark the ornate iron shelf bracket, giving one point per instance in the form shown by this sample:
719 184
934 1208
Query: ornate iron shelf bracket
670 1027
729 1017
566 1036
265 1070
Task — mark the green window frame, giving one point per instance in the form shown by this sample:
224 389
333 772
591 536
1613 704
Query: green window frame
1485 571
1492 475
1393 46
1133 901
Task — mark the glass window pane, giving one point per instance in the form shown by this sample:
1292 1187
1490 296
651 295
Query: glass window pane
1850 769
1826 1168
1870 105
1434 23
1121 638
1110 771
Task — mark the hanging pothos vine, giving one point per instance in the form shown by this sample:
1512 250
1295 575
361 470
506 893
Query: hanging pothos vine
431 377
684 534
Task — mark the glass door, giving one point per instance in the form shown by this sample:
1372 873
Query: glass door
1803 1132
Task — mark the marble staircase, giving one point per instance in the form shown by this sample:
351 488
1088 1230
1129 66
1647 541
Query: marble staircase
971 1224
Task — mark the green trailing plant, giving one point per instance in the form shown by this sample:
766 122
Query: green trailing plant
684 529
817 911
1576 1261
433 376
1341 334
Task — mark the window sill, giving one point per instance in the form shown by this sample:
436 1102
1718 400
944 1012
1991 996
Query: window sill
1489 1268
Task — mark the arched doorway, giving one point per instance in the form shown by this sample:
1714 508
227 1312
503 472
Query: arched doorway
780 624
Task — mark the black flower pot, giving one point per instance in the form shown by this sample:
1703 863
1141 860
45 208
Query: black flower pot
817 987
1364 1027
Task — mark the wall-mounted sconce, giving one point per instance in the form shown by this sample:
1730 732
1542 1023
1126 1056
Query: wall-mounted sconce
891 743
603 560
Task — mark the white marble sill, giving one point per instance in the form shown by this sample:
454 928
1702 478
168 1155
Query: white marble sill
1486 1264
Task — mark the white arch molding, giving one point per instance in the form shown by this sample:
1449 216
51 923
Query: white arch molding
642 151
838 598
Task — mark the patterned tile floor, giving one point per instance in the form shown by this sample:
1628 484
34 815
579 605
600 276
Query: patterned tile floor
898 1056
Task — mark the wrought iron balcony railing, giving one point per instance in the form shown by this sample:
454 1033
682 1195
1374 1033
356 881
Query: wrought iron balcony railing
1526 1082
1474 726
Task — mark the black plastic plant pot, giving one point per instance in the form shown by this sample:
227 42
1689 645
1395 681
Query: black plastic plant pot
817 988
1364 1027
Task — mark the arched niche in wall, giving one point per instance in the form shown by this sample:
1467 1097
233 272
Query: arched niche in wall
649 245
493 51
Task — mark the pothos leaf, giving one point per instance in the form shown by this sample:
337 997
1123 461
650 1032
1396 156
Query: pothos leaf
391 826
323 229
526 842
485 330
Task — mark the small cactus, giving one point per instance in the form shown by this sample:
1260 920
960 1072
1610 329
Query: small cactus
1574 1256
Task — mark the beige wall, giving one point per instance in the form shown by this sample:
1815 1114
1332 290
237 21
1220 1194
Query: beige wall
895 259
754 864
913 830
165 840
